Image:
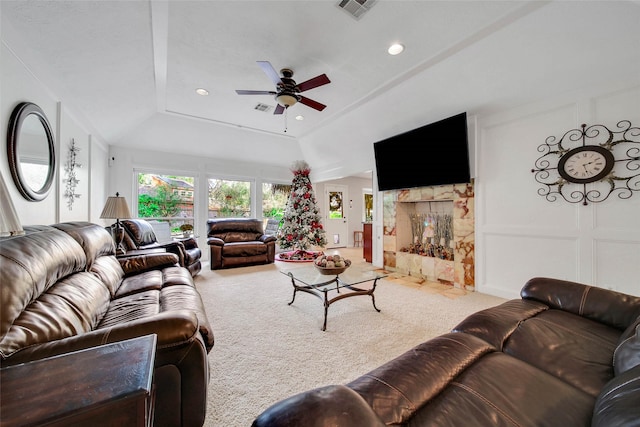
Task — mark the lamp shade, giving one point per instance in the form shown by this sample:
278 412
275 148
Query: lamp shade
9 222
115 208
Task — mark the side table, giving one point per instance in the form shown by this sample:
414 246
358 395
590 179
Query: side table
109 385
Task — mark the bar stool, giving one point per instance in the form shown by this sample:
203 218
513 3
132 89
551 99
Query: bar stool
357 238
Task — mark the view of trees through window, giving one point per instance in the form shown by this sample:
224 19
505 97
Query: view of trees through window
167 198
171 198
274 200
229 199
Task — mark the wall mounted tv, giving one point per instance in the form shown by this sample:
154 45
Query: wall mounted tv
434 154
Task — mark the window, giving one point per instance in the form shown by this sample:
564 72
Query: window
274 200
336 208
229 199
166 198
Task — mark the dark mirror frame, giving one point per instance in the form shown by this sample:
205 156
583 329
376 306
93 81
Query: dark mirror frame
19 114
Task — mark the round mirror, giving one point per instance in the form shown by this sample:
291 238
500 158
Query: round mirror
31 152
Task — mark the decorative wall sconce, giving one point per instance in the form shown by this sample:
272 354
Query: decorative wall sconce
70 169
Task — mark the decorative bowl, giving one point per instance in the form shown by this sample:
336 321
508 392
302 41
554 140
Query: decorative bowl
331 270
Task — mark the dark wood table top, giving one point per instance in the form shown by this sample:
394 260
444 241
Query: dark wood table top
38 392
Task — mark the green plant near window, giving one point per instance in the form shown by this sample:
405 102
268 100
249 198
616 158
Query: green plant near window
275 213
161 203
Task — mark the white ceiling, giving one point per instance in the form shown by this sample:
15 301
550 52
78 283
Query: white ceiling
129 65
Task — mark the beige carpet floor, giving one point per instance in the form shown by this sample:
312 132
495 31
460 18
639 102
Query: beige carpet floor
266 350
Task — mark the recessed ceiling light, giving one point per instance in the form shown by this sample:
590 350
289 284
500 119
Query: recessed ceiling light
395 49
201 91
299 117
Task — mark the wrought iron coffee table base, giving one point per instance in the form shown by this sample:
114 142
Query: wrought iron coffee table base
322 291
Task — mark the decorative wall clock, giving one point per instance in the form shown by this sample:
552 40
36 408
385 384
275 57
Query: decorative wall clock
589 164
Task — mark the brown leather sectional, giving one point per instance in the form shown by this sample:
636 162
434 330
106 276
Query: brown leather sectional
565 354
63 289
238 242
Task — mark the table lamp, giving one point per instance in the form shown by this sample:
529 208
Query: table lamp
116 208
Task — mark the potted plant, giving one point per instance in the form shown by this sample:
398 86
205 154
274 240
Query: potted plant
187 230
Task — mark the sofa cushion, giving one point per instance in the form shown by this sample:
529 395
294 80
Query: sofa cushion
500 390
147 281
602 305
91 237
31 264
397 389
235 229
627 353
131 307
244 249
109 271
572 348
73 305
496 324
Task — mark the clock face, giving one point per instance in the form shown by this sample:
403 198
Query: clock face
586 164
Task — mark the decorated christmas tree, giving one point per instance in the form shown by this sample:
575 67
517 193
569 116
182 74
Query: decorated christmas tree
301 228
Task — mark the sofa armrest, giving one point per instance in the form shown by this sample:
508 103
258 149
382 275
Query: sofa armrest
188 242
335 405
175 247
599 304
215 241
136 264
266 238
617 404
173 328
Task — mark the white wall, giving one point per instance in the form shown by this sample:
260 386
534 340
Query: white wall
520 234
20 84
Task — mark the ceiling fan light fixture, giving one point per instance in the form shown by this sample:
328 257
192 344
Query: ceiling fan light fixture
395 49
286 99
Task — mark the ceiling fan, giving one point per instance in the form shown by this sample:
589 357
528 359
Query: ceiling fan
287 91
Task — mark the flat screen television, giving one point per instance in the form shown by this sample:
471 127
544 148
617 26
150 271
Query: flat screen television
434 154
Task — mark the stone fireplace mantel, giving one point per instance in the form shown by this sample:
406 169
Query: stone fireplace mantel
460 271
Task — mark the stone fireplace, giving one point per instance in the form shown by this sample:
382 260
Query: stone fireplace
429 233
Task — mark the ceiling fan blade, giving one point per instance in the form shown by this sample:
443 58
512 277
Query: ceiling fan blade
270 72
255 92
311 103
279 109
320 80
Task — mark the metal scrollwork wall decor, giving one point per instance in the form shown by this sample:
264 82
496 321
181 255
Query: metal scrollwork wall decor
589 164
71 180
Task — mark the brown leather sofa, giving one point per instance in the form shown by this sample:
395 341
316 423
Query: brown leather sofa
139 236
62 290
565 354
237 242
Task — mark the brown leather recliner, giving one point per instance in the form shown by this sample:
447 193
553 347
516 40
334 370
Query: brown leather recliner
237 242
139 236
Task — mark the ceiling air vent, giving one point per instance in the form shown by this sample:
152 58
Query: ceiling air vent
356 8
262 107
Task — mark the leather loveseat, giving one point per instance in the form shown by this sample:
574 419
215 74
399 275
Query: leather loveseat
140 236
62 290
237 242
565 354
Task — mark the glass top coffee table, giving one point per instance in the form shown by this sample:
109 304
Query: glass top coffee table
308 279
